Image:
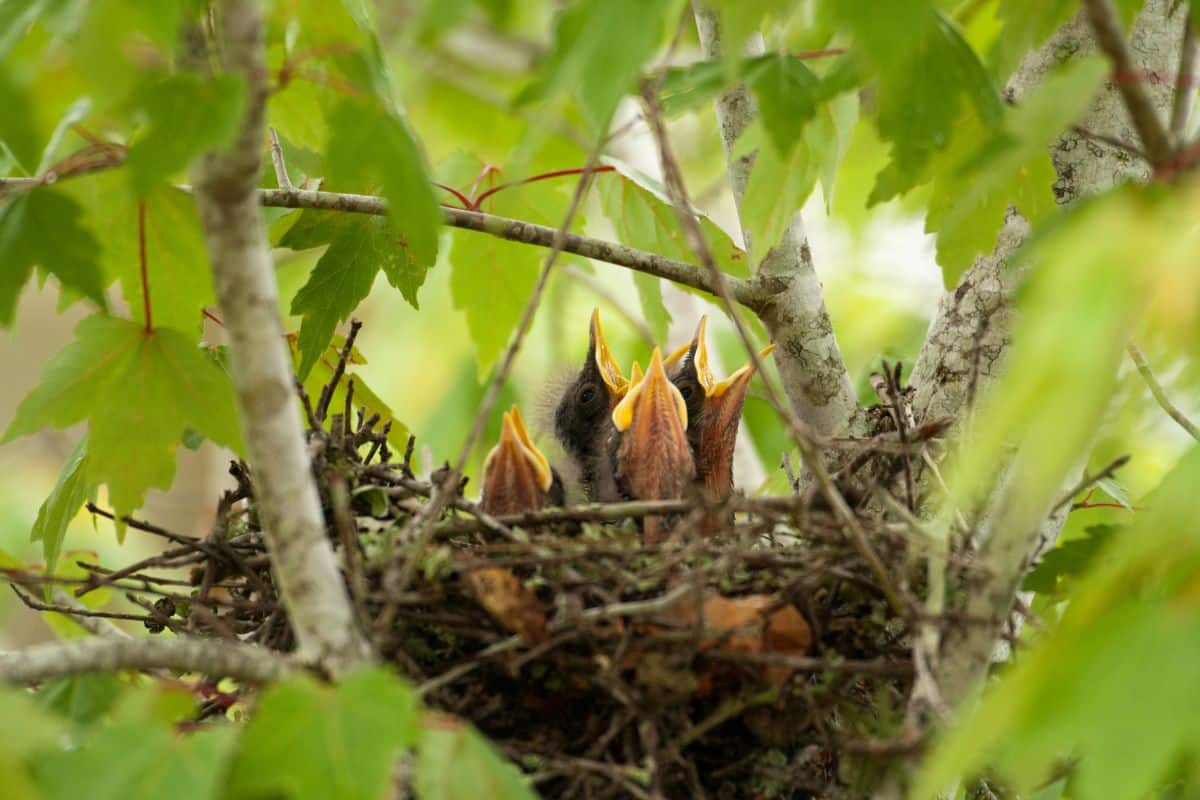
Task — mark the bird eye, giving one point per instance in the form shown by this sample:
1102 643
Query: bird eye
686 391
587 394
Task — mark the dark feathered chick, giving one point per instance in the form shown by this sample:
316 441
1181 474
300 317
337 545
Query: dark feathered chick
516 476
583 417
653 459
714 410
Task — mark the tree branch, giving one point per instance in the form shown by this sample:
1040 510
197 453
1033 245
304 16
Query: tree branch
814 373
310 584
749 293
243 662
516 230
1160 395
1145 114
964 352
1185 83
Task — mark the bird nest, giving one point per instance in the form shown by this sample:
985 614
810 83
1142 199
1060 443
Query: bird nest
761 659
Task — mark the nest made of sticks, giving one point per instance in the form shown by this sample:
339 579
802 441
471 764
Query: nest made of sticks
757 661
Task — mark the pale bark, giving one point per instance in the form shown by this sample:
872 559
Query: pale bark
791 304
244 662
289 508
964 351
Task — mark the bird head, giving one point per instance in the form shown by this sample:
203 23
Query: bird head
653 459
516 476
715 407
590 398
582 417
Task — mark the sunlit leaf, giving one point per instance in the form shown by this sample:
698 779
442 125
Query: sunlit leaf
599 48
455 763
359 246
68 496
187 115
1122 659
787 93
139 760
925 71
178 276
307 740
369 145
138 391
972 192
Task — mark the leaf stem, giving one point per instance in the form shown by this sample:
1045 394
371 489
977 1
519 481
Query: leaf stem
558 173
145 273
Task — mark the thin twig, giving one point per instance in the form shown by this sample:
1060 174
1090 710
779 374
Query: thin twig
420 529
1088 480
281 173
747 292
1111 141
517 230
1185 89
1160 395
1107 27
339 369
673 178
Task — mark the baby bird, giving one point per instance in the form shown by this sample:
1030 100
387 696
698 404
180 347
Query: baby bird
516 476
653 460
714 410
583 417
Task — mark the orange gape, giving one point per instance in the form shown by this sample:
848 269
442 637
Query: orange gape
516 476
653 458
714 412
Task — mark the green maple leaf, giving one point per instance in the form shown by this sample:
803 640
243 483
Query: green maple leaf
42 228
925 70
139 760
308 741
974 184
359 247
456 763
599 47
177 268
369 145
187 115
64 502
787 93
138 391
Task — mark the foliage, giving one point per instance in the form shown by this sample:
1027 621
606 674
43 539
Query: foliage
306 740
899 104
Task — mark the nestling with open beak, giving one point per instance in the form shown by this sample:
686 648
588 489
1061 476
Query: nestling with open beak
583 417
516 476
653 458
714 410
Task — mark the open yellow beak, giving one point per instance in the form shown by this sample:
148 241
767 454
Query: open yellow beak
653 395
742 376
610 371
516 454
